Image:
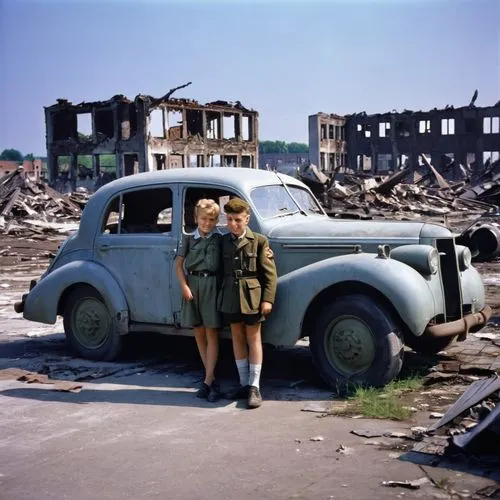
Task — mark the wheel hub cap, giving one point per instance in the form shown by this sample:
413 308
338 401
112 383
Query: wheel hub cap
91 323
350 345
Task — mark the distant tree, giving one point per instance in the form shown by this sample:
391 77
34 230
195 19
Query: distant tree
11 155
298 147
29 157
282 147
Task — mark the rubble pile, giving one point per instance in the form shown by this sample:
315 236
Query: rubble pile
28 207
429 195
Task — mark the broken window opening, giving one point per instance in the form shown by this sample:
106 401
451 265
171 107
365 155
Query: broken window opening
104 122
160 161
323 131
402 129
448 126
63 165
229 126
331 132
175 161
491 125
156 123
84 126
246 130
85 168
384 129
229 161
247 161
322 161
174 124
194 122
424 127
214 161
132 115
213 125
131 163
384 162
64 125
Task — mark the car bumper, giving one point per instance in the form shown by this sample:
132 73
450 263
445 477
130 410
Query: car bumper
461 326
19 306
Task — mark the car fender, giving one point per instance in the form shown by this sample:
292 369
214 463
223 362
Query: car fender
407 290
42 302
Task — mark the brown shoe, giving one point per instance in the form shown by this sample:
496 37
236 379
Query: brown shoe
254 397
240 393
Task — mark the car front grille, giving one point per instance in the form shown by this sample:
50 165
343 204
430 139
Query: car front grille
450 278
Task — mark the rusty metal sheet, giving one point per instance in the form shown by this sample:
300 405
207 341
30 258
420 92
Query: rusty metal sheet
476 392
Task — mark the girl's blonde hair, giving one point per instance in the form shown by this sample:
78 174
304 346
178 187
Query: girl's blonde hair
207 206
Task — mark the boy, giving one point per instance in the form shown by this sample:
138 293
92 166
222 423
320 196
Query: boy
199 254
247 295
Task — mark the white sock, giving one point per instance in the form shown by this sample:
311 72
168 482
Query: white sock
254 375
242 365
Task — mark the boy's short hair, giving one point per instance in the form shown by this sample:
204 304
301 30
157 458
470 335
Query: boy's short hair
208 206
236 206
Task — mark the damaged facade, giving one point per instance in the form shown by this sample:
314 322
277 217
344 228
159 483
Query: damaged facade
146 134
455 139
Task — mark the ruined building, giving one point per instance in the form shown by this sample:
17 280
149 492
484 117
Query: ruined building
378 143
146 134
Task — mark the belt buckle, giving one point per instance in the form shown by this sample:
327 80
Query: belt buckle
204 274
238 273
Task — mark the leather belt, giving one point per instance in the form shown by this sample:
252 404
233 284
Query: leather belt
202 274
238 273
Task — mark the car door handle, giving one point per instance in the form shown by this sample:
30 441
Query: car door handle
104 248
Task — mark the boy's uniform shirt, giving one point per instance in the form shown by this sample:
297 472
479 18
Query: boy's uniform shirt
249 277
201 254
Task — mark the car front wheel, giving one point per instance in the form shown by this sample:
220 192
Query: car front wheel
89 325
356 342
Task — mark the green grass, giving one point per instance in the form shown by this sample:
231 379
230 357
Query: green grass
384 403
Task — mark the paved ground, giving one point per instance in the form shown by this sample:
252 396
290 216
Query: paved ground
135 429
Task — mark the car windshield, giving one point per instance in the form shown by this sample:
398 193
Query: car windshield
275 201
306 201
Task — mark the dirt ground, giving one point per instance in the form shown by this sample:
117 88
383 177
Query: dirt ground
135 424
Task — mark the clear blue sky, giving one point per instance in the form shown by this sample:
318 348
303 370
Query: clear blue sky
286 59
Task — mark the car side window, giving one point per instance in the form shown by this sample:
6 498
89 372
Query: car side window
141 211
191 197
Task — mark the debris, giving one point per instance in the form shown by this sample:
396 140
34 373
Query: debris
343 449
317 438
37 378
436 415
487 336
28 207
411 485
316 407
366 433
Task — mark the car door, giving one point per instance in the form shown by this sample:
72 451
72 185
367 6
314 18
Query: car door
137 244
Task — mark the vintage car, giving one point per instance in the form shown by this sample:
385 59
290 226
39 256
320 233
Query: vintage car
359 290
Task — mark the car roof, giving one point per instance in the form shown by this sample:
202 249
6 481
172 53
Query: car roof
230 177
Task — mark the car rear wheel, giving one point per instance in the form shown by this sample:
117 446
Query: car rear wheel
89 325
356 342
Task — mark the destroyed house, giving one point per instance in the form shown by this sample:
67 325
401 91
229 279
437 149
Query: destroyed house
99 141
456 139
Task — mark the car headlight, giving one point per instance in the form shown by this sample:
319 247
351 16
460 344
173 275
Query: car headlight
464 257
423 258
433 261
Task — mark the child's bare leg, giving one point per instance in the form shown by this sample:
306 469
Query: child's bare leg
254 341
212 352
201 341
240 351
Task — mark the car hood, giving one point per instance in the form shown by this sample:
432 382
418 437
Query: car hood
327 228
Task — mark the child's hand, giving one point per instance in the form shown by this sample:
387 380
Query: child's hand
186 293
266 307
